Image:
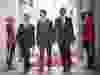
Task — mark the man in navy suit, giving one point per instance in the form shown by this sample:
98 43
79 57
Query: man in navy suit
25 39
11 42
64 35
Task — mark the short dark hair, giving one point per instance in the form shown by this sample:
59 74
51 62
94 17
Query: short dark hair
43 11
85 13
63 9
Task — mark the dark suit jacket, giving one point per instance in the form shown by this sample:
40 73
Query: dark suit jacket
20 36
11 35
25 36
28 35
64 31
44 32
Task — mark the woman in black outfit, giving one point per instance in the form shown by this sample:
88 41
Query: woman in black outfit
88 44
44 34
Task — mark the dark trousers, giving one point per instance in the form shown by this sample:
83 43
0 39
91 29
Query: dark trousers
64 46
44 44
24 54
11 44
90 49
27 64
11 52
21 47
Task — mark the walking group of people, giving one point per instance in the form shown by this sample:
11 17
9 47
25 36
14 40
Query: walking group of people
47 33
61 31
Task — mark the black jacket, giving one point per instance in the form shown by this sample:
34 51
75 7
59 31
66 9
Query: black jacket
26 36
64 31
11 35
44 32
20 35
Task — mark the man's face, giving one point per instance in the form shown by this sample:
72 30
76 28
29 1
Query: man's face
42 14
62 12
26 18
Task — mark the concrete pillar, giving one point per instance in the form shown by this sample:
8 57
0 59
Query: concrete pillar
20 11
97 24
76 15
76 26
87 5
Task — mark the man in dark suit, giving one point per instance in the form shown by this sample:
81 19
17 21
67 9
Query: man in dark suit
44 33
29 31
64 35
25 39
11 42
28 42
